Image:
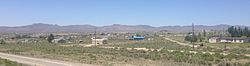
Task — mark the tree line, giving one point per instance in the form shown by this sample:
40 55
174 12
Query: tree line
238 31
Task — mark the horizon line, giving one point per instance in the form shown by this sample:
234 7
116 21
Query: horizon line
118 24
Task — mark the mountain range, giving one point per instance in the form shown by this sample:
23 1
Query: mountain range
40 27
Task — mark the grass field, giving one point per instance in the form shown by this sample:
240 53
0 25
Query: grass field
178 38
114 57
5 62
231 45
238 48
91 55
153 44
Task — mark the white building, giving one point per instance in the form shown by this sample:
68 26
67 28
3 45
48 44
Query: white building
228 40
213 40
99 40
60 40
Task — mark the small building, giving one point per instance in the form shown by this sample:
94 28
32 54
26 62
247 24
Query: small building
33 40
234 40
99 40
150 38
137 38
60 40
214 40
228 40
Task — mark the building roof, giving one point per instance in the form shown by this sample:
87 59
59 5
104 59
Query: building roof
230 38
137 37
99 38
234 38
58 39
214 37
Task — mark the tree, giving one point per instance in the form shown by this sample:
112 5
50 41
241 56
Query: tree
248 35
231 31
50 38
17 36
238 32
204 33
194 38
246 32
2 41
188 38
199 37
191 38
235 33
25 36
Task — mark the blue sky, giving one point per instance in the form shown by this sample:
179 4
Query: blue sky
128 12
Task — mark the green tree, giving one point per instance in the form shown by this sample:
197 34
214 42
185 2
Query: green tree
50 38
240 32
204 33
199 37
191 38
2 41
194 38
231 31
248 35
188 38
17 36
246 32
236 32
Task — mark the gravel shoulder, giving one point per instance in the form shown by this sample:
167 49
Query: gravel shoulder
39 61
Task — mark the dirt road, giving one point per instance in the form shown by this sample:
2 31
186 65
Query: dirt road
39 61
180 43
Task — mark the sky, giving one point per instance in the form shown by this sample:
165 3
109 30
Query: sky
126 12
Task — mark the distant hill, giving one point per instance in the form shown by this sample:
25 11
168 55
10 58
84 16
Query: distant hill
40 27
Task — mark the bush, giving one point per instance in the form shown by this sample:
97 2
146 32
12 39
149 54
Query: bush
5 62
2 41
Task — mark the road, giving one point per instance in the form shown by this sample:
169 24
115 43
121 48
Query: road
180 43
39 61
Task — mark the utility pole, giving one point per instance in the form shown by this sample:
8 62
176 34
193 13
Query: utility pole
95 36
192 41
224 32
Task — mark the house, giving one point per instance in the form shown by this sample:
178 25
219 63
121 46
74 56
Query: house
60 40
137 38
99 40
228 40
32 40
214 40
234 40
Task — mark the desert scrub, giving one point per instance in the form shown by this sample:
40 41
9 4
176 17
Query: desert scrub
5 62
96 55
